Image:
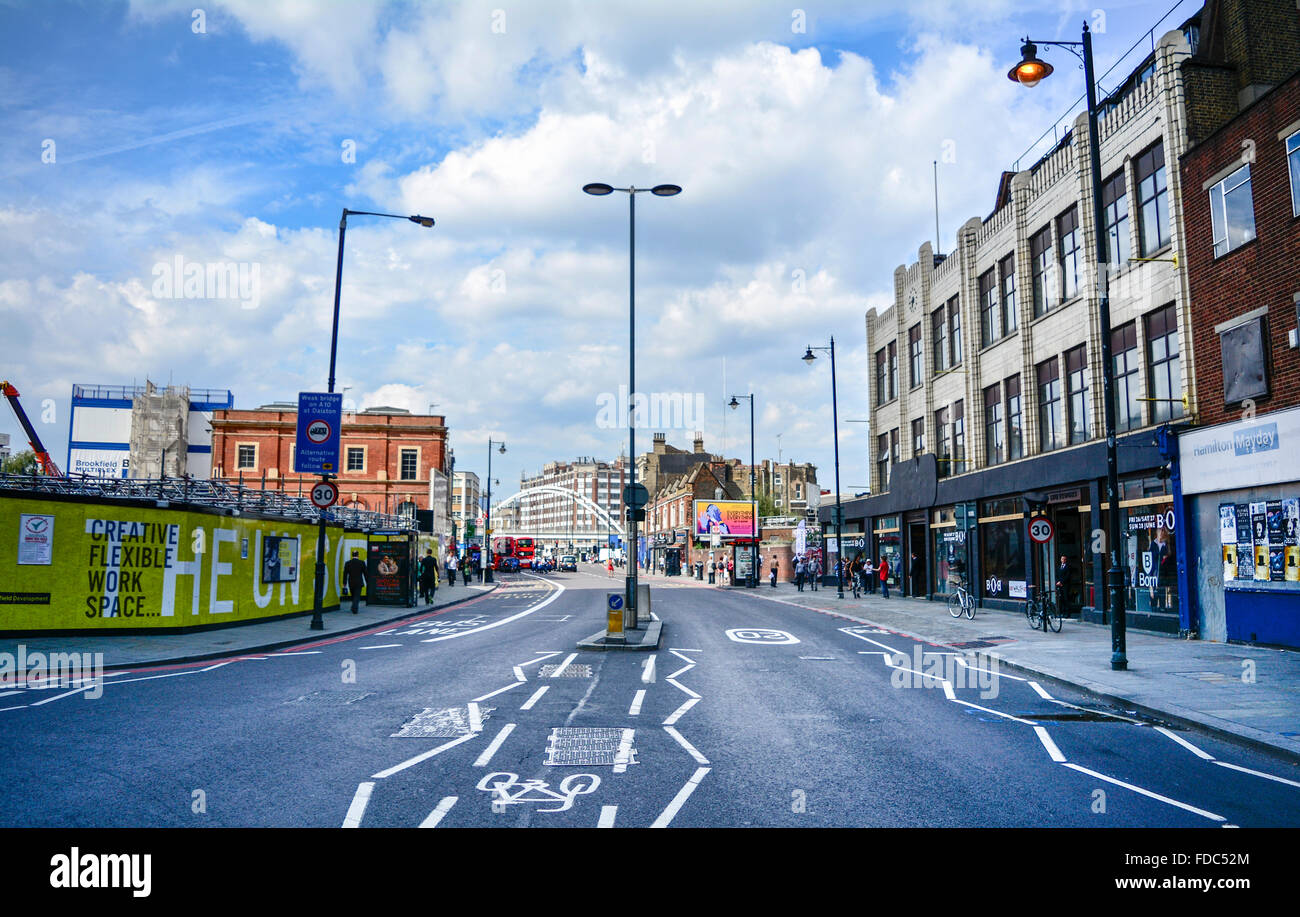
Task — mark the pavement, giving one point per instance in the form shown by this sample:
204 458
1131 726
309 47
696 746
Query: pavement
125 650
1250 693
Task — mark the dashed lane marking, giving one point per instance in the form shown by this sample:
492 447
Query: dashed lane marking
690 749
1246 770
440 812
648 669
357 810
666 817
1204 755
513 684
681 711
1052 750
411 762
382 646
537 695
483 759
564 665
607 815
635 709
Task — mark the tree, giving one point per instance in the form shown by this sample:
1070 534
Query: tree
767 506
20 463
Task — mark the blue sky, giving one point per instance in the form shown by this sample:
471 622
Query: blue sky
806 158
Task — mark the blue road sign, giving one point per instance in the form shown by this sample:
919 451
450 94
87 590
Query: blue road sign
320 415
615 601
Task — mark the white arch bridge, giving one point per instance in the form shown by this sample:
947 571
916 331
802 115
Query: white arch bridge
608 524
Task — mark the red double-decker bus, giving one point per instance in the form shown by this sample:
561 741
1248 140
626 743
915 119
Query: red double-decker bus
502 548
525 550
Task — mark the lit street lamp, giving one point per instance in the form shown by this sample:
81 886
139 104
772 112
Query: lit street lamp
1030 72
318 594
753 492
599 189
808 358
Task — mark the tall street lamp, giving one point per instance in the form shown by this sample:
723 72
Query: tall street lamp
753 492
808 358
318 595
1030 72
599 189
487 527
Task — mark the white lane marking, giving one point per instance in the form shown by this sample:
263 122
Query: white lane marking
964 662
537 695
1039 691
475 717
607 814
1014 719
564 665
635 709
303 653
624 751
684 658
1205 755
654 616
19 707
437 814
9 693
1138 789
875 653
513 684
680 711
483 759
64 694
679 800
1246 770
544 655
1049 745
411 762
527 611
648 669
519 674
685 668
690 749
683 649
845 630
217 666
681 687
381 646
948 692
359 802
825 658
1114 716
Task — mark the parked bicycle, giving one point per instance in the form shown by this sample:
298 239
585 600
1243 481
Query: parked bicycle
1042 612
960 601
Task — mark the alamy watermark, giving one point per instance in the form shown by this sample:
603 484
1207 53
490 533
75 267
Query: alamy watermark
181 279
656 410
932 670
53 670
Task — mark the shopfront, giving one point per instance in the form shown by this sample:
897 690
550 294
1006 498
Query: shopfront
1002 540
887 543
950 559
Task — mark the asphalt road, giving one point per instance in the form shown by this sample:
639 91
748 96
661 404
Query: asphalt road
450 719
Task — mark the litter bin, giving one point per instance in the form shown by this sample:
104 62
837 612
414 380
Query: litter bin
699 571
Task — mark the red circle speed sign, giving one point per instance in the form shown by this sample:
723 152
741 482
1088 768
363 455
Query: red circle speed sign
1040 530
324 494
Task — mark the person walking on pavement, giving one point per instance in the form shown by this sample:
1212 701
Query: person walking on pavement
428 576
773 577
464 570
354 574
799 570
883 573
451 567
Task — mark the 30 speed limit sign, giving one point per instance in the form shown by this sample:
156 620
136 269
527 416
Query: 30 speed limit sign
324 494
1040 530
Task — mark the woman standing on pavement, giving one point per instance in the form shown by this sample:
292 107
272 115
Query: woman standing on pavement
883 573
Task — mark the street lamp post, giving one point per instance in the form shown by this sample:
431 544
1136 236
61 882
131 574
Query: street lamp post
318 592
599 189
753 493
487 526
808 358
1029 72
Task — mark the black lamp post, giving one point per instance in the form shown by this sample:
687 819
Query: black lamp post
599 189
1030 72
754 572
487 527
808 358
318 595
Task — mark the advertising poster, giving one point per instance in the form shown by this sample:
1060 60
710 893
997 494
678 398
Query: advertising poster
728 518
35 539
1259 538
1276 540
388 580
1228 539
1245 544
279 559
1291 538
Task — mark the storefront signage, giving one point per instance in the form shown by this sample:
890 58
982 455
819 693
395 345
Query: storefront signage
724 517
1063 496
1249 453
1145 522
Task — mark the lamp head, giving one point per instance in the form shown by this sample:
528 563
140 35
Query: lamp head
599 189
1030 71
666 190
809 356
426 222
502 450
734 403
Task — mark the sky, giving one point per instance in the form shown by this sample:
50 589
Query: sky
136 137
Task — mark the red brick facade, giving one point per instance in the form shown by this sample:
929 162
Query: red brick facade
1262 273
381 436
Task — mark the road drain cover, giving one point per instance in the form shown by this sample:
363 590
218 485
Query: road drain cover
572 670
1076 716
588 747
451 723
331 698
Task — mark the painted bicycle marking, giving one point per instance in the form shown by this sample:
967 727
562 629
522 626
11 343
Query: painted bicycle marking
508 790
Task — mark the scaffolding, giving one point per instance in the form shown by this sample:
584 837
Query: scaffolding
180 492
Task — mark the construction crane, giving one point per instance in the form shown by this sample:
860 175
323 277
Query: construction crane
42 457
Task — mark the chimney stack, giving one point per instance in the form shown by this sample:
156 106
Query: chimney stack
699 443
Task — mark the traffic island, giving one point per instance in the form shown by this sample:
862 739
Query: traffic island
642 639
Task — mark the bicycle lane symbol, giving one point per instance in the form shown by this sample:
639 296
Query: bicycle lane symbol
508 790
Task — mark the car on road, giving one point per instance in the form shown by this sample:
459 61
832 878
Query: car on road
568 563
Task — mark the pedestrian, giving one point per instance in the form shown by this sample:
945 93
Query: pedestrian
884 576
816 573
450 563
773 571
609 566
354 573
428 576
713 570
916 575
731 570
800 568
464 570
1062 584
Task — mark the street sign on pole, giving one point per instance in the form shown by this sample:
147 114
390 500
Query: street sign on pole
320 415
1040 529
635 496
323 494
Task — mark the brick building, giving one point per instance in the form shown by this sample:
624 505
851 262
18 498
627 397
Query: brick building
670 517
1237 479
386 454
568 518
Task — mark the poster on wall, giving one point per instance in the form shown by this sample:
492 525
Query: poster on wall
35 539
1291 538
279 559
1228 539
1245 549
1259 538
1276 541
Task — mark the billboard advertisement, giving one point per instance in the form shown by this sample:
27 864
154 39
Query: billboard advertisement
728 518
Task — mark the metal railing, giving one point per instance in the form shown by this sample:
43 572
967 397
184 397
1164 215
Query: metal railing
231 498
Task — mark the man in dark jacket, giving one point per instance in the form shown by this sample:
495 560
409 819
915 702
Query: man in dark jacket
354 574
428 576
916 575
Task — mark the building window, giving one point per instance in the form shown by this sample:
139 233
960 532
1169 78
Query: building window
916 364
356 458
1153 200
990 327
1114 198
954 331
1015 437
1050 420
1040 261
1245 362
1232 212
1293 166
893 446
1164 370
939 339
1076 380
247 457
409 460
918 436
1071 246
943 445
882 460
959 437
1123 351
882 391
1007 268
994 448
893 369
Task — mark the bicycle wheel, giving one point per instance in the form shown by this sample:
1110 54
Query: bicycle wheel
1053 616
1035 614
969 601
955 605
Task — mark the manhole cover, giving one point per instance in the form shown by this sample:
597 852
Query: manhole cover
588 746
572 670
451 723
331 698
972 645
